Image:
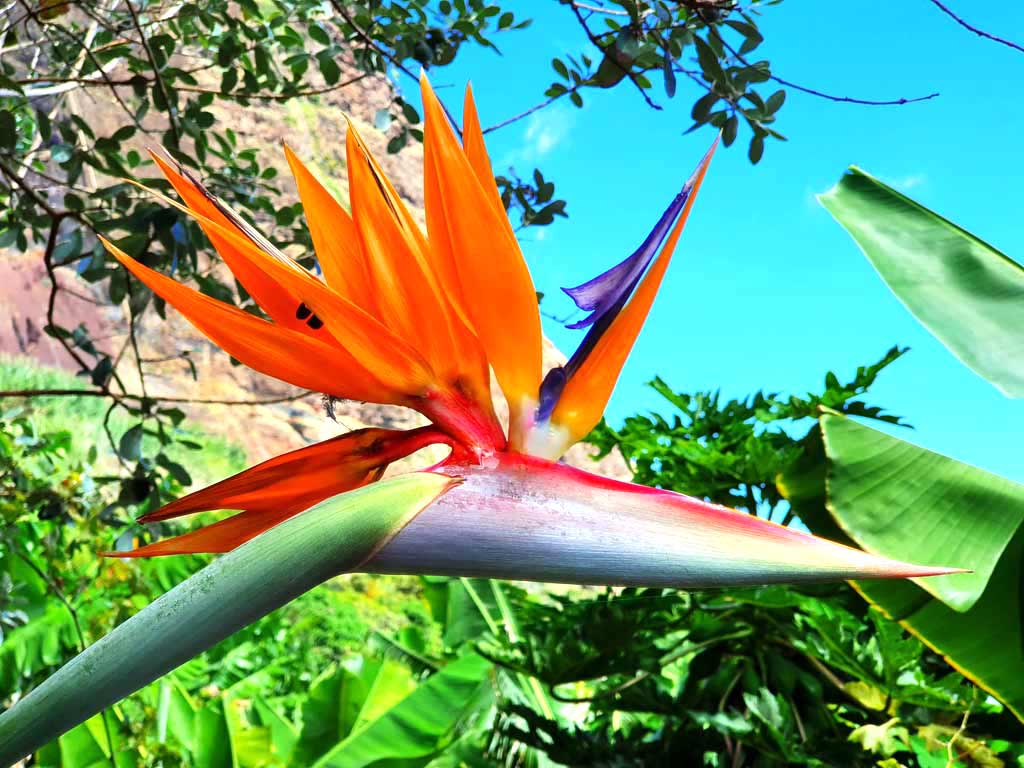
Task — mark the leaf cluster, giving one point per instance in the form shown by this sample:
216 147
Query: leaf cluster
643 40
732 451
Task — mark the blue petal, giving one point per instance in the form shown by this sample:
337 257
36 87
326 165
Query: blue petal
606 295
605 291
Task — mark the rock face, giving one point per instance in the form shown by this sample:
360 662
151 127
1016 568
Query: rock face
171 350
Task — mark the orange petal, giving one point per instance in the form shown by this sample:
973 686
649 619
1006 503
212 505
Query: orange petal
285 354
410 296
441 250
274 300
222 536
364 337
476 150
498 294
284 486
335 238
588 390
411 301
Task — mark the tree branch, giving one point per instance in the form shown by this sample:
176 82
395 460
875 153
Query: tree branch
106 393
599 9
975 30
156 73
531 110
86 51
813 91
276 96
632 77
66 84
369 40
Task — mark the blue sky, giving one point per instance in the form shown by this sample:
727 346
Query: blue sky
766 291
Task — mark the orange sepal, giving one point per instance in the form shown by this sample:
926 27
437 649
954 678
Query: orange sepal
589 389
284 486
222 536
335 238
476 151
278 303
410 295
361 335
496 289
282 353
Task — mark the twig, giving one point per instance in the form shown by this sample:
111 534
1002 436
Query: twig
41 201
51 304
975 30
813 91
114 447
628 72
531 110
668 658
599 9
952 758
366 38
135 350
106 393
369 40
65 83
276 96
86 49
156 73
796 716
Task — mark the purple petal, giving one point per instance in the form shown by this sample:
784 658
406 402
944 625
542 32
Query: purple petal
599 295
606 295
550 390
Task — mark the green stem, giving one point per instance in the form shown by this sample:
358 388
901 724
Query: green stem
249 582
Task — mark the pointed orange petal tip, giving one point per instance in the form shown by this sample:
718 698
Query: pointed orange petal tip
496 291
362 340
335 237
282 353
283 486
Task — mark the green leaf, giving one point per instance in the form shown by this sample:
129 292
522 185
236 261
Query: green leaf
756 151
328 67
130 446
419 725
984 644
961 288
905 502
410 113
317 33
899 500
670 78
8 129
335 536
341 698
775 102
729 130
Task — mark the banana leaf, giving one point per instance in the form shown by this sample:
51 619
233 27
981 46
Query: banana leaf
967 293
898 499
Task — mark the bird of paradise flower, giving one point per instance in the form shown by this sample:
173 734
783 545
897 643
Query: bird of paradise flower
420 321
